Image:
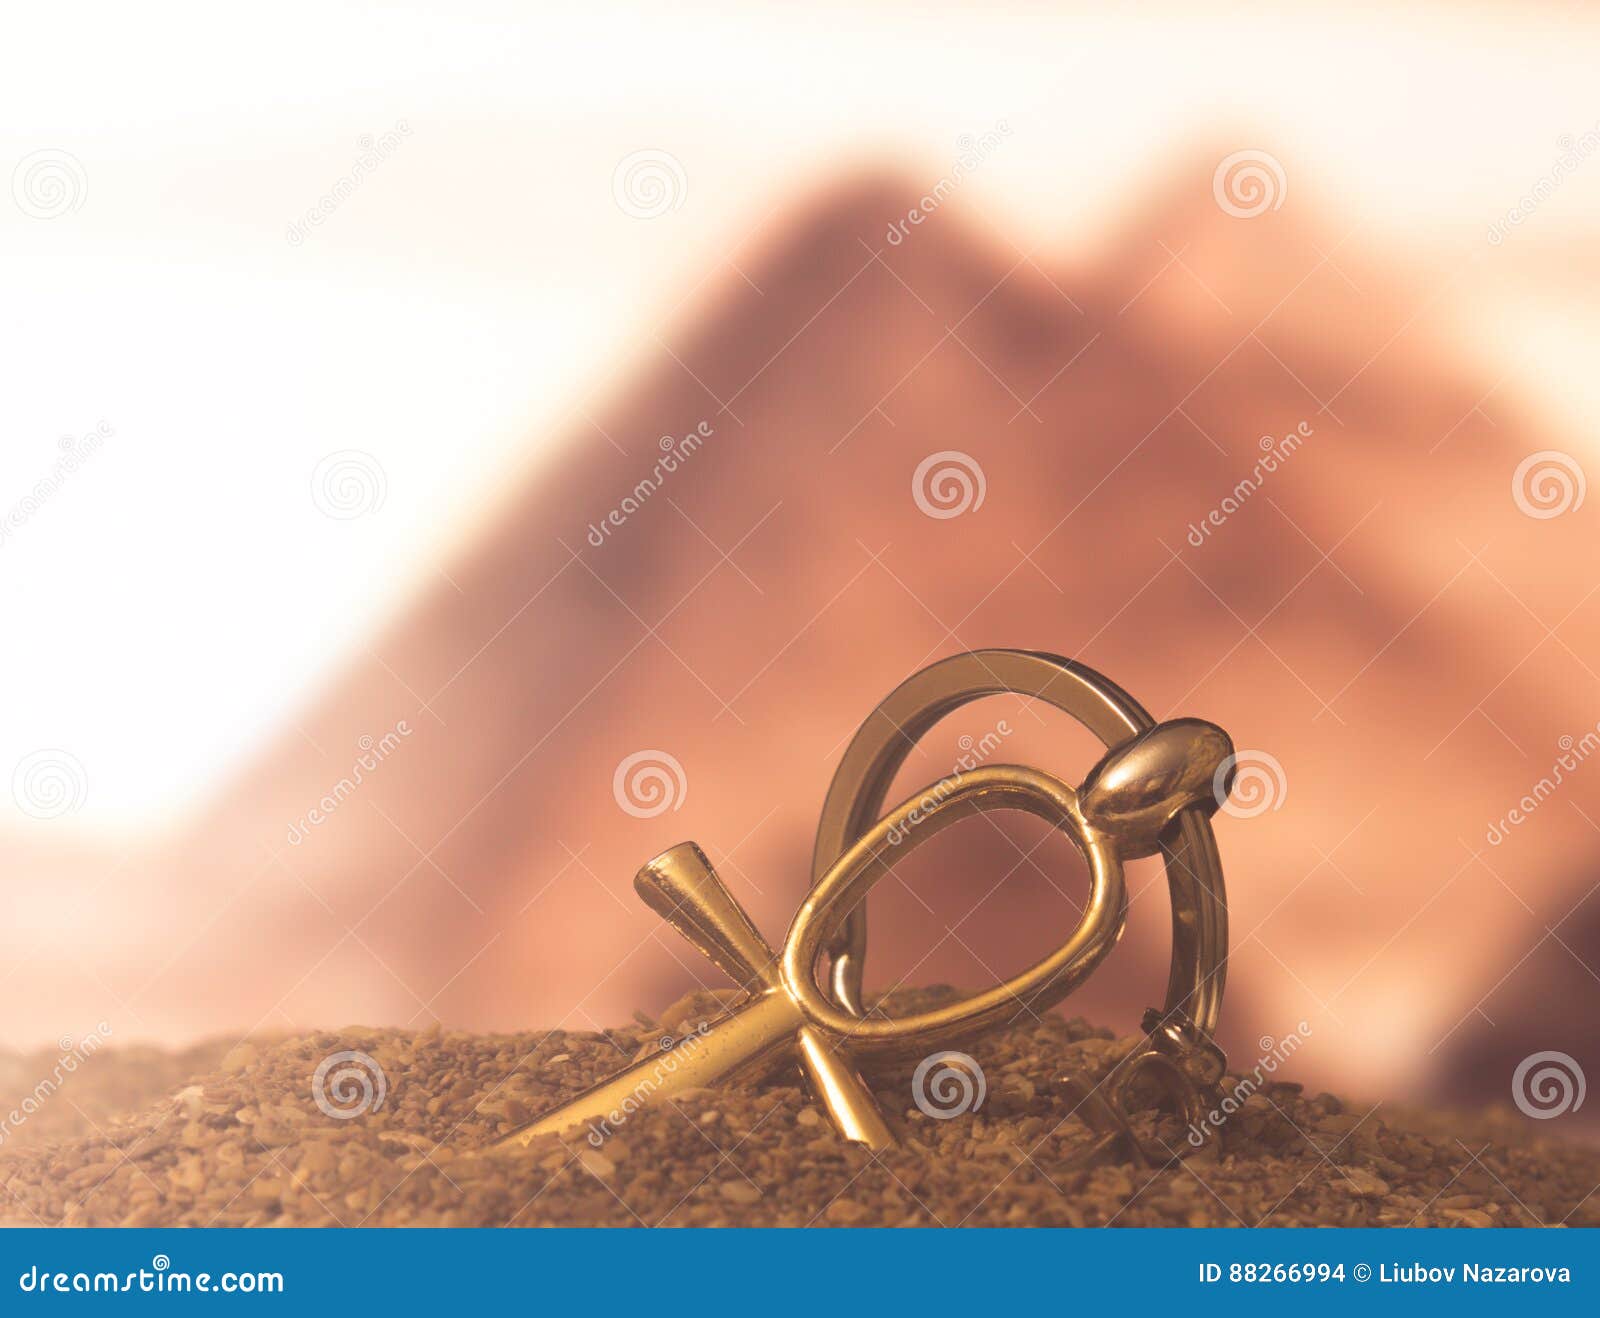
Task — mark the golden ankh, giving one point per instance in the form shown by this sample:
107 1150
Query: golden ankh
1128 800
681 886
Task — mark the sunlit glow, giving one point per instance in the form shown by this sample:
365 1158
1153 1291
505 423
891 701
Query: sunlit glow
177 596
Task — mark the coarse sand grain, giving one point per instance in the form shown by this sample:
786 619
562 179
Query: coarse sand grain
235 1136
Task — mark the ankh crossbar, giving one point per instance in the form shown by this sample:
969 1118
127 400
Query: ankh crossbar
1128 800
681 886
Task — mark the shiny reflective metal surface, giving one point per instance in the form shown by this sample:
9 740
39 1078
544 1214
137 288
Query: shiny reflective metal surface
1154 790
856 797
842 889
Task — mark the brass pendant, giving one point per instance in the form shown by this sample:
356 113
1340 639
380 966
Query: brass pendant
1152 792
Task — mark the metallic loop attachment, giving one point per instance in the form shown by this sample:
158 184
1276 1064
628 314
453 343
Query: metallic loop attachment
1042 985
856 798
1151 791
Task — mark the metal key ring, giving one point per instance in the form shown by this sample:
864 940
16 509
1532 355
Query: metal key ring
856 797
1150 792
1037 988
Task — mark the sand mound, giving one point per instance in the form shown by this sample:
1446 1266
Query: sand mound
401 1132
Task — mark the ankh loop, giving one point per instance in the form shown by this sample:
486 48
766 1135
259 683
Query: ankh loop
1152 792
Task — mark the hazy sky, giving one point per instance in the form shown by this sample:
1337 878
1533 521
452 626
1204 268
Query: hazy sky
172 600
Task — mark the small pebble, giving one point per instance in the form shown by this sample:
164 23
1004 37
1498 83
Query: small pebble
1364 1183
232 1134
596 1163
